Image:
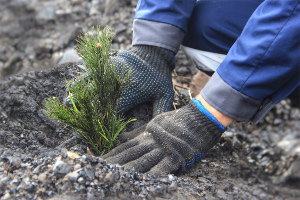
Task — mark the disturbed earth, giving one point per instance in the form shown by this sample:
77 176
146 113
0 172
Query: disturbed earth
42 159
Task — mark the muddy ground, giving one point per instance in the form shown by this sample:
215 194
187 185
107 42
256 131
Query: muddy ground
41 159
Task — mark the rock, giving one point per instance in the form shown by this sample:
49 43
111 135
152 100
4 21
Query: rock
70 55
37 169
110 178
61 168
229 134
42 177
172 187
90 172
112 6
293 173
47 11
171 177
221 194
96 7
290 145
72 176
14 163
81 180
11 66
6 196
277 121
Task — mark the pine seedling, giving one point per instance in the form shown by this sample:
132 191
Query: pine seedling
95 96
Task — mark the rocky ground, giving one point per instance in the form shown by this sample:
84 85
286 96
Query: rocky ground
41 159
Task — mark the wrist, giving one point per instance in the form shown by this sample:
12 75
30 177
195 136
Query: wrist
204 111
223 119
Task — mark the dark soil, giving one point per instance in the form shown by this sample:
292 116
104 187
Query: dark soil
41 159
27 135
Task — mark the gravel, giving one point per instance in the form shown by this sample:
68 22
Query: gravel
41 159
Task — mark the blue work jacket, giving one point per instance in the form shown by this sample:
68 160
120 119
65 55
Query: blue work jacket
261 68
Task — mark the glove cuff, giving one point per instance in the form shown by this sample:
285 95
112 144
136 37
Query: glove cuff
208 114
159 58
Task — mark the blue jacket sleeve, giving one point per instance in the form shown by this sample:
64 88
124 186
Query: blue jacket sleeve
175 12
262 67
162 23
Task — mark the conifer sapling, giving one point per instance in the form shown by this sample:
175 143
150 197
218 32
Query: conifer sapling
94 96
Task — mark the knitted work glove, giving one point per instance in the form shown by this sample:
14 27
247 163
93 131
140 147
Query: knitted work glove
151 81
151 69
170 141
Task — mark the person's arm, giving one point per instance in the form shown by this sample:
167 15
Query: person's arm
262 67
161 23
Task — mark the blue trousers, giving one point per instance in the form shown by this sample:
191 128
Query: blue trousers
214 26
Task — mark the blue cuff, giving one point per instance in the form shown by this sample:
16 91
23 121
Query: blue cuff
197 157
208 114
172 54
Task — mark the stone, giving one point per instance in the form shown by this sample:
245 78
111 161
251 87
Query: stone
61 168
110 178
72 176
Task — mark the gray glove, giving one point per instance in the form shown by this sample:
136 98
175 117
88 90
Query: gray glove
170 141
151 78
151 69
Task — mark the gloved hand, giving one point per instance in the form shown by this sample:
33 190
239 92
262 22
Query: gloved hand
151 68
150 73
170 141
